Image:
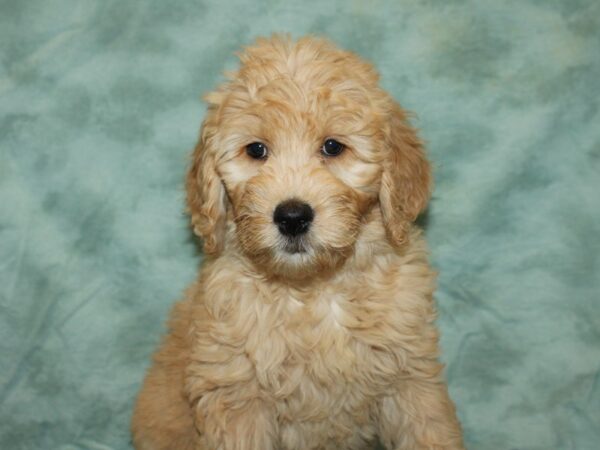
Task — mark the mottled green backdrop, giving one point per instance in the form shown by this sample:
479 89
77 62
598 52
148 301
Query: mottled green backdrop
100 106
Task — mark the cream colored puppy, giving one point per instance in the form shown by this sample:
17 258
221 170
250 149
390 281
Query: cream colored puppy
311 324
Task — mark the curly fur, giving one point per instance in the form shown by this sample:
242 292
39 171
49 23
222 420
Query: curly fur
330 348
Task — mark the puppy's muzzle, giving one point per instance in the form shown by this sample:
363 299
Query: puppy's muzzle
293 217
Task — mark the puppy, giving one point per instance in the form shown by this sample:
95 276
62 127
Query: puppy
311 324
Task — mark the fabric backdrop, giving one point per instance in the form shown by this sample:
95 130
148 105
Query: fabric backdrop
100 107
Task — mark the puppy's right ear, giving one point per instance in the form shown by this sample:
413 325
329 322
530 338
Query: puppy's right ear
206 198
406 181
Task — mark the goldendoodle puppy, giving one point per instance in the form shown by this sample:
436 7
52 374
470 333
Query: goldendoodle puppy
311 324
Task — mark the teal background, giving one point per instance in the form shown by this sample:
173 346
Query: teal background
100 107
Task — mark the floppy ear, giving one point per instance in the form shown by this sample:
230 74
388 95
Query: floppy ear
406 179
206 197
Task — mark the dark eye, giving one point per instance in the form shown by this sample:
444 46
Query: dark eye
256 150
331 147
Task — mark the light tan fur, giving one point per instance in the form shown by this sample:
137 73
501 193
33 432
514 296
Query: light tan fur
325 349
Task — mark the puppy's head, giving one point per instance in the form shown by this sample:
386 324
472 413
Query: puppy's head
296 150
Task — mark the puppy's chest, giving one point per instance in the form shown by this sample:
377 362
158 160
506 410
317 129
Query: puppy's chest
336 342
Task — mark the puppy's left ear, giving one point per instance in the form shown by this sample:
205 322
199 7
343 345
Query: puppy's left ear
406 179
206 198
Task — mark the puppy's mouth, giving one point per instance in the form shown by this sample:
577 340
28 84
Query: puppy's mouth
295 244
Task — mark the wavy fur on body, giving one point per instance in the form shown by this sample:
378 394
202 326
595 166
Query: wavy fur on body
326 348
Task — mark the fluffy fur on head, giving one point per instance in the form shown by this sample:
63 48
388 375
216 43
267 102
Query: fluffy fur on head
292 96
317 340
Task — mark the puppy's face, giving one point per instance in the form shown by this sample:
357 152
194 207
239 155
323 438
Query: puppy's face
295 152
298 165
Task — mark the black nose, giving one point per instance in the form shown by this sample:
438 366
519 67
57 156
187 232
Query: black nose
293 217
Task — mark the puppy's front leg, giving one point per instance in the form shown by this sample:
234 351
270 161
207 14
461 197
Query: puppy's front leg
228 421
419 415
